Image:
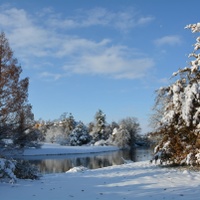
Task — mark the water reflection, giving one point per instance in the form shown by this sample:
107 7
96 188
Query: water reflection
56 164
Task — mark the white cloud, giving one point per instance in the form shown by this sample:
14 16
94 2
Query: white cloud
25 36
11 16
38 42
168 40
113 62
74 45
50 76
145 20
122 20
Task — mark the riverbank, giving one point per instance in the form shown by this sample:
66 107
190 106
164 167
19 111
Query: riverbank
139 180
56 149
135 180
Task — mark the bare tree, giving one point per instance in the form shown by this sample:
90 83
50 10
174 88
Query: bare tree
132 125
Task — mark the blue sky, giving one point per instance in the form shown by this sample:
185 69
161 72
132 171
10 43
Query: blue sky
85 55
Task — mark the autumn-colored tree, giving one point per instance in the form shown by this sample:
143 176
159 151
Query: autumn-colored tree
15 111
177 112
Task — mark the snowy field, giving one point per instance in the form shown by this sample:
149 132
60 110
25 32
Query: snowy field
139 180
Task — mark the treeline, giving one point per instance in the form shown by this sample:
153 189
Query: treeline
67 131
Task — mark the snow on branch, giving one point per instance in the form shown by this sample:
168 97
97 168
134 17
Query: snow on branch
179 105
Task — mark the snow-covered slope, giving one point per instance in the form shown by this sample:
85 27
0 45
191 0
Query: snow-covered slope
139 180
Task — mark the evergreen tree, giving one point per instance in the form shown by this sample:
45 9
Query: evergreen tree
15 111
99 129
178 105
79 135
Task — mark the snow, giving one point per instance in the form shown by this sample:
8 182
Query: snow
6 168
56 149
139 180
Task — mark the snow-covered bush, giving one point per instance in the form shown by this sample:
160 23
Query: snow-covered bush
62 139
7 168
13 169
120 137
25 170
79 135
57 131
55 134
102 143
178 107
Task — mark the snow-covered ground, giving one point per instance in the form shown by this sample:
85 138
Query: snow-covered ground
56 149
139 180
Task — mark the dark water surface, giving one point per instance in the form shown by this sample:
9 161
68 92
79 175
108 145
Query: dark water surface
56 164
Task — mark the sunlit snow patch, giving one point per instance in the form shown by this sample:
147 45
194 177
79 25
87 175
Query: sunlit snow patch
77 169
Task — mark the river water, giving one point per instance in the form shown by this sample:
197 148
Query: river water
57 164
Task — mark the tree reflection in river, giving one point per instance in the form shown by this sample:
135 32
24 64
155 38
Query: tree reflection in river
56 164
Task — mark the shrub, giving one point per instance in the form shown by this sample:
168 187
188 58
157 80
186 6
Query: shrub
7 168
25 170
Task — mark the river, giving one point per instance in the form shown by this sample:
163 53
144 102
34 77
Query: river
62 163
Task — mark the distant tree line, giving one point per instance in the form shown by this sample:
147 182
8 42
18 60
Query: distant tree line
67 131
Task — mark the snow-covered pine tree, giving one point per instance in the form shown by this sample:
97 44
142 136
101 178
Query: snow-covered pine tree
99 129
79 135
178 107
